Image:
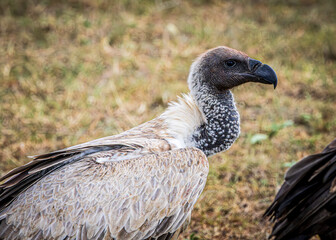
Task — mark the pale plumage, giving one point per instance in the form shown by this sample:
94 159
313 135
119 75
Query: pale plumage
140 184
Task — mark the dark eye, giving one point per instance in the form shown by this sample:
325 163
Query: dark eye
230 63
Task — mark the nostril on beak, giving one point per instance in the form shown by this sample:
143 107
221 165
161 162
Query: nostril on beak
253 64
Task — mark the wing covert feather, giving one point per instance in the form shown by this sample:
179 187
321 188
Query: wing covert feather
305 203
139 198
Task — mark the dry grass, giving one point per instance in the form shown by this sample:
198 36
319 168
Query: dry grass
76 70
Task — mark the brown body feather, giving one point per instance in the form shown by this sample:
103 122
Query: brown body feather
306 203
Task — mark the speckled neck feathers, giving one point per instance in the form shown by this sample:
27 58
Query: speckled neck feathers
203 119
222 127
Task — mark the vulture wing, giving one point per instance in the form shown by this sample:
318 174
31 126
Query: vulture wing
306 202
93 191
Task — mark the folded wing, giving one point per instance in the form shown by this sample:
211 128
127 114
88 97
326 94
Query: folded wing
118 191
306 203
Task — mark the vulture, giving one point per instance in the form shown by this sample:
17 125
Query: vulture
305 205
142 183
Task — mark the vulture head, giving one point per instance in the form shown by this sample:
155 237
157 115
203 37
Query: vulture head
223 68
211 77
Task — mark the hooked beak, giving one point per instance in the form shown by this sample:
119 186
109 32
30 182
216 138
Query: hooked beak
262 72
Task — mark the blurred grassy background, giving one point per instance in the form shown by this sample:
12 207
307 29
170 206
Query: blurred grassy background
75 70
